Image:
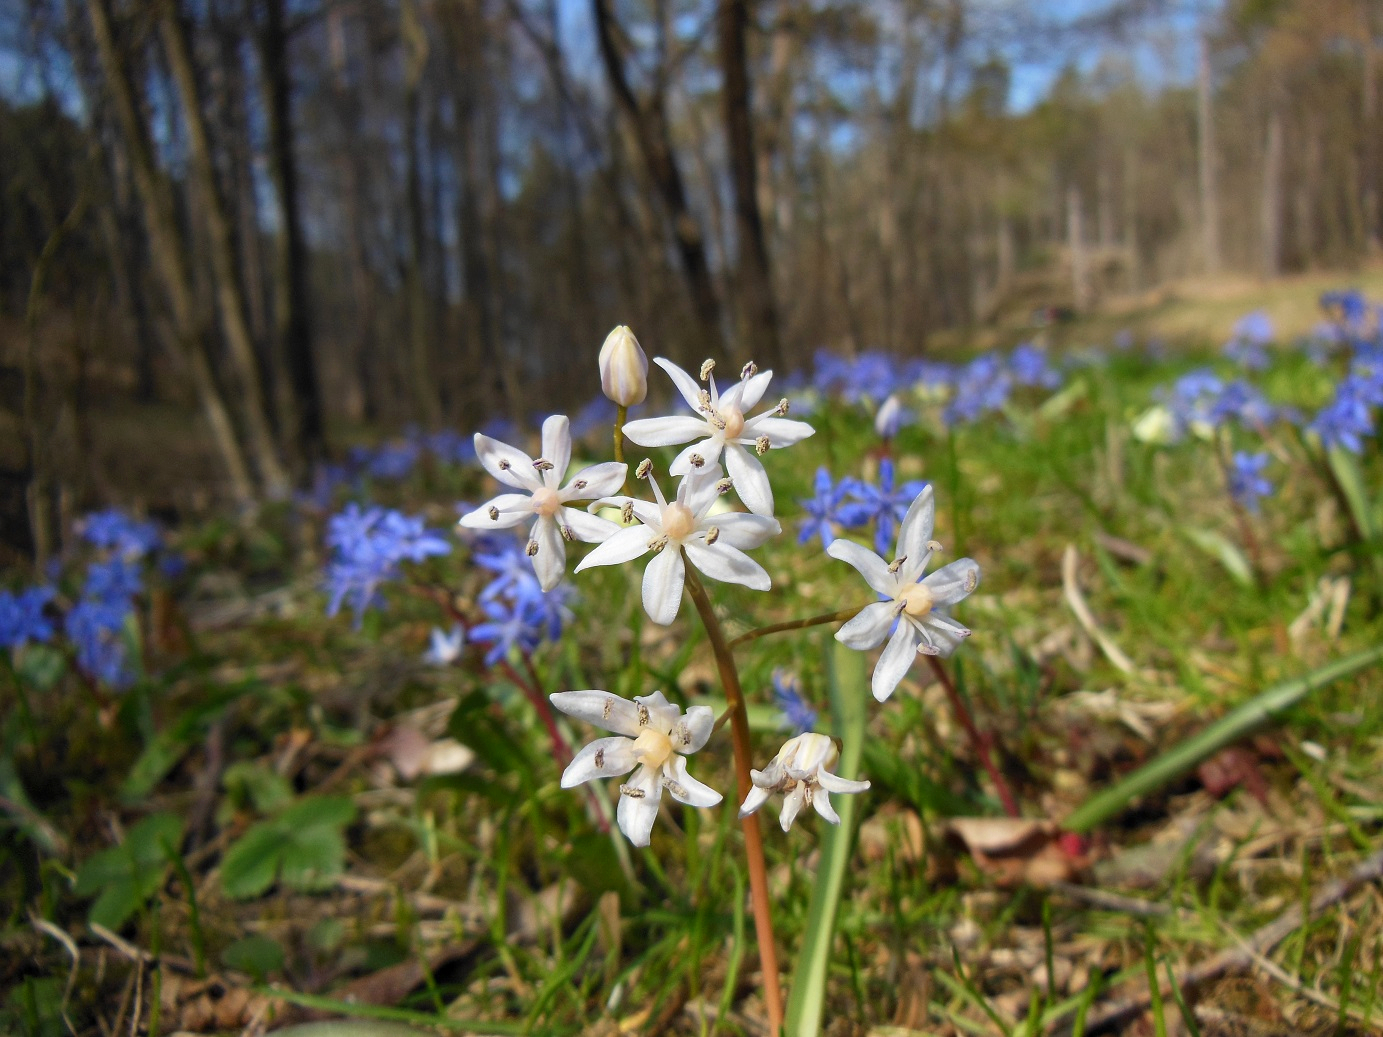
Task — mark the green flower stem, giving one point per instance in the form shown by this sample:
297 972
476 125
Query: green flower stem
1258 712
753 839
620 415
26 714
839 616
981 743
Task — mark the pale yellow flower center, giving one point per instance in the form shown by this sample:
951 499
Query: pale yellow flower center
678 521
734 422
917 600
546 501
652 748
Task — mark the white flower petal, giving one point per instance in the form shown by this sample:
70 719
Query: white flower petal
600 480
869 627
728 565
692 731
557 447
758 796
895 661
834 783
686 789
513 509
745 531
752 391
638 806
627 543
662 715
662 584
699 489
550 563
944 632
708 449
792 803
822 802
781 432
665 431
873 568
591 529
751 481
508 464
952 582
603 758
686 384
916 532
601 709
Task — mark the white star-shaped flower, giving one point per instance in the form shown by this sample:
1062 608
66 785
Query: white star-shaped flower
714 544
651 734
918 605
545 497
445 648
721 425
799 772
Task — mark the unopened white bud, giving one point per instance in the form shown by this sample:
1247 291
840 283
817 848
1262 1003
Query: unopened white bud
623 368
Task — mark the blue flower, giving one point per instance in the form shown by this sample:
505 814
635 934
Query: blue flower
112 582
95 629
116 531
1248 342
510 625
22 619
822 509
882 504
369 545
982 385
798 716
393 461
1246 482
1347 419
1029 366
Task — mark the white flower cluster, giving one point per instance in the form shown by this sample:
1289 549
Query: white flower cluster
652 736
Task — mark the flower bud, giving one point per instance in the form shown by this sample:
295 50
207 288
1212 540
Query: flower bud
623 368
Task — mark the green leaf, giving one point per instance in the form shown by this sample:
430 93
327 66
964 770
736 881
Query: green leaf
127 875
40 666
1345 467
302 847
1223 551
258 955
252 784
849 708
158 758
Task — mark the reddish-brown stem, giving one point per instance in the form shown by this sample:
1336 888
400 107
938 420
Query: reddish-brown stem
980 742
753 838
797 624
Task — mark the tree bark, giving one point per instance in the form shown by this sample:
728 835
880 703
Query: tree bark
1075 240
169 256
1271 215
230 297
652 133
759 314
1210 204
303 425
414 42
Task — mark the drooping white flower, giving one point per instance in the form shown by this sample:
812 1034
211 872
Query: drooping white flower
799 772
715 544
721 425
918 605
543 496
623 368
651 737
444 647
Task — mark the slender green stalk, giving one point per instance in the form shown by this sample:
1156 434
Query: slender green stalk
839 616
980 742
26 714
1236 724
620 415
753 838
1154 987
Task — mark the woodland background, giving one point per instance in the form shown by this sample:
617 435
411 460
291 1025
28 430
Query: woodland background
235 234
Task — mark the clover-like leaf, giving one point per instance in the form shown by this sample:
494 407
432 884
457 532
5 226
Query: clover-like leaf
302 847
125 876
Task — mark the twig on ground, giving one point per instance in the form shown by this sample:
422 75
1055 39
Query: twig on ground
1104 900
1076 600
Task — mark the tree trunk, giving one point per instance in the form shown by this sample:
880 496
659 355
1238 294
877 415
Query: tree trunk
1210 204
1075 241
168 253
303 425
1271 215
414 42
1370 174
758 312
651 130
230 298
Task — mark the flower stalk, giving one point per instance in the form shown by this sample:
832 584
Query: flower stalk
753 838
839 616
980 742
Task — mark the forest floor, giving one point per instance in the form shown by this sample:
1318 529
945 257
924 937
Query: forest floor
288 814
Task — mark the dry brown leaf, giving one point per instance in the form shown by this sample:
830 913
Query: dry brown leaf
1016 850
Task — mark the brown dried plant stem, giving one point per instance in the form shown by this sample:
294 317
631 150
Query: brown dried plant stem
839 616
981 742
753 839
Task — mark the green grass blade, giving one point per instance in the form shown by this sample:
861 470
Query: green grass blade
1234 725
850 701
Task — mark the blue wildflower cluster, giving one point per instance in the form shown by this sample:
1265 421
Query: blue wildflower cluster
1246 482
970 391
857 504
1348 419
519 614
368 547
797 716
1249 340
23 618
